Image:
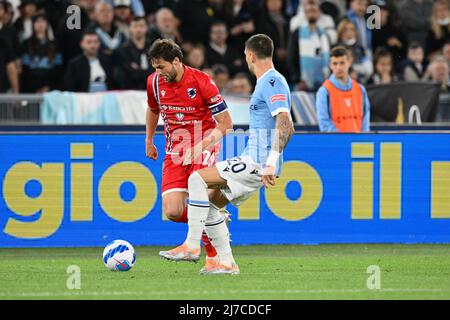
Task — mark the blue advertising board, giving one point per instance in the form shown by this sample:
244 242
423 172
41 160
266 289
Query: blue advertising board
88 189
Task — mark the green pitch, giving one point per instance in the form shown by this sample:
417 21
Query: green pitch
267 272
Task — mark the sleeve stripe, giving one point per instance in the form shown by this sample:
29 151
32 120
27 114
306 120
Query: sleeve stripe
215 105
278 97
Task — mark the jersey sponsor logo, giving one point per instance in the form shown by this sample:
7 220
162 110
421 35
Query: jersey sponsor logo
278 97
177 108
180 116
163 93
192 93
272 82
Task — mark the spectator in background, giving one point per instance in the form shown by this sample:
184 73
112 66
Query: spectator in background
221 77
111 38
361 58
196 17
91 71
334 8
239 17
219 52
342 104
415 17
123 16
308 51
166 27
413 68
8 18
196 57
274 23
439 32
384 68
438 71
135 5
357 15
240 85
446 52
9 76
151 7
54 10
133 56
389 36
325 22
41 59
9 34
23 24
71 38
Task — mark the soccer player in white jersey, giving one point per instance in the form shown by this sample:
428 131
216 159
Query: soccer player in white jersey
235 180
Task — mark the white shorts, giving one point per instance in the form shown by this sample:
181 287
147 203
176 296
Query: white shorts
244 177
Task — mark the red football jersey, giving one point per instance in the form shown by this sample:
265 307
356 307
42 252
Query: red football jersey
186 107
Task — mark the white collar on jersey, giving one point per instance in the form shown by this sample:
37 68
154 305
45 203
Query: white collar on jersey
271 69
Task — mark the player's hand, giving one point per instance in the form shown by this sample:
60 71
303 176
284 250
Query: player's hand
268 177
151 151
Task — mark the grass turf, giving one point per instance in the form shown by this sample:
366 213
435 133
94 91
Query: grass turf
267 272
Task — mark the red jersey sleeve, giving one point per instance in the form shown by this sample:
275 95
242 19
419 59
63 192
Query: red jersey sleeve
151 92
211 95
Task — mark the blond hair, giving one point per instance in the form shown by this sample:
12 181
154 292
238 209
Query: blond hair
437 30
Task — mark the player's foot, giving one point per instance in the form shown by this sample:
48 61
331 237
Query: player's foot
213 266
181 253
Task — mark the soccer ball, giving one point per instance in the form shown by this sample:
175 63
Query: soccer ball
119 255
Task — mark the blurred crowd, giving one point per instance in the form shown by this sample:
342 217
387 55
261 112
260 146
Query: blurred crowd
102 44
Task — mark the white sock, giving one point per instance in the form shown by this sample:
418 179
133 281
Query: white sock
198 208
217 231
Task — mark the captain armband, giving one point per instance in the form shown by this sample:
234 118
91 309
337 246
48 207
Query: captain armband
218 108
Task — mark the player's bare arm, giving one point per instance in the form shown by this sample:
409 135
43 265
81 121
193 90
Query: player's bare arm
283 133
224 124
151 121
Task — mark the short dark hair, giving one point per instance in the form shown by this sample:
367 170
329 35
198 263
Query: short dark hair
218 69
89 32
218 23
381 52
4 4
415 45
165 49
261 45
139 18
339 51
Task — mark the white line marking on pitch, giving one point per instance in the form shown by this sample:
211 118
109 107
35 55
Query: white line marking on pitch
205 292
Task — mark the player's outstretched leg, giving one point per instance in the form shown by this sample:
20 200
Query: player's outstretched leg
199 203
217 229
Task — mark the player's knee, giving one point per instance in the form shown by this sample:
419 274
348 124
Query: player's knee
173 213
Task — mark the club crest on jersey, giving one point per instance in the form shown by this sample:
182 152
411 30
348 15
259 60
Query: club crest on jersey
180 116
192 93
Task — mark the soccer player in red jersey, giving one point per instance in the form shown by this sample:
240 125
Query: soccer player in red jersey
195 119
